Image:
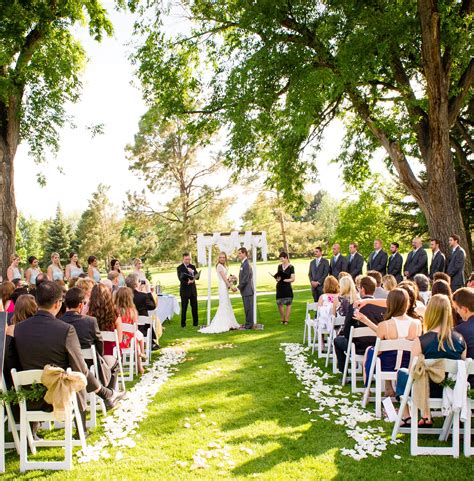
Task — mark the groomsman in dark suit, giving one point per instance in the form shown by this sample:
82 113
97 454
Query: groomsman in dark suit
456 263
438 260
187 289
378 258
417 260
395 262
355 261
338 262
318 271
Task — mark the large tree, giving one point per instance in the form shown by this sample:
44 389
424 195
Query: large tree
40 62
399 72
57 239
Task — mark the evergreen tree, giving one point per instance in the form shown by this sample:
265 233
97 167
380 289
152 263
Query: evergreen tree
58 239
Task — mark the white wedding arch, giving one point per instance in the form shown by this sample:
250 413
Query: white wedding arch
228 242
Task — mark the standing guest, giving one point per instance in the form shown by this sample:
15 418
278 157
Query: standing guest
380 292
92 270
456 263
73 269
115 267
395 262
25 307
32 272
187 289
144 302
318 271
338 262
442 276
373 312
7 289
438 259
417 260
442 287
355 261
55 270
378 258
423 284
137 270
389 283
285 276
13 271
464 303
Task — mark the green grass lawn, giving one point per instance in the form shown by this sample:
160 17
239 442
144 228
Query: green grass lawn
249 400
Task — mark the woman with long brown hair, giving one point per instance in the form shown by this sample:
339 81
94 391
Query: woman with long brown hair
6 291
25 308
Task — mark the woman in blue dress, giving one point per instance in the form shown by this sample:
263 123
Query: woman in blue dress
115 266
92 270
55 269
73 269
13 271
32 272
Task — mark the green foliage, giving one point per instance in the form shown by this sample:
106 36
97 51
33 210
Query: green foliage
34 392
28 238
58 239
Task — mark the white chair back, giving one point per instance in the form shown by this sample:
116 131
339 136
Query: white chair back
112 336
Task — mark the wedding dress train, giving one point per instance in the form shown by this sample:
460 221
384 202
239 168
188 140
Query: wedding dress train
224 320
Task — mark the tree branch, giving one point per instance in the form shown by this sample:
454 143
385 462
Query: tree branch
465 83
462 157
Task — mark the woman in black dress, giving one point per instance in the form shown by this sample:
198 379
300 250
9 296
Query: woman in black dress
284 292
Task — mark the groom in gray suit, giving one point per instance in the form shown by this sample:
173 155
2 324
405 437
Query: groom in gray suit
246 287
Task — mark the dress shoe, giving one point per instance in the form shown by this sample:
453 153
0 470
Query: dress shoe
155 347
112 401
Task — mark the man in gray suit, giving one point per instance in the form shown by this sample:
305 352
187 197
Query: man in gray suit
318 271
438 260
246 287
395 262
417 260
378 258
456 263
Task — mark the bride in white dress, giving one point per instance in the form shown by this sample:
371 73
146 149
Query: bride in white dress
224 320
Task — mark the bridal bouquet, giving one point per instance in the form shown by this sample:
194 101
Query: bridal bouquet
232 280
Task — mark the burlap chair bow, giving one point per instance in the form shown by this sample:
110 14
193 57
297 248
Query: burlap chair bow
421 380
61 385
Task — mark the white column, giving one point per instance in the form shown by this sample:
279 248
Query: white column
209 280
254 269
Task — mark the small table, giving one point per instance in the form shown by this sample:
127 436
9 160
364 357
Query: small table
167 307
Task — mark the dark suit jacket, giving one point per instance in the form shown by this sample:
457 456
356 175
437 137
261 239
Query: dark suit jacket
438 264
466 329
456 268
320 273
185 289
394 267
43 339
144 302
416 263
379 263
246 280
355 267
335 268
374 313
87 330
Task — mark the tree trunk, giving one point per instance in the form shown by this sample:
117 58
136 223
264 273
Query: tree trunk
283 231
8 211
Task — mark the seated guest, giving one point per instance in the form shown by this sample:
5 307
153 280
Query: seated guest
107 283
347 296
443 287
379 293
86 285
6 290
438 342
423 284
114 278
55 269
470 282
416 308
101 307
143 301
372 312
92 270
357 282
20 289
330 291
464 303
32 271
88 332
389 282
397 325
43 339
25 308
13 271
442 276
342 274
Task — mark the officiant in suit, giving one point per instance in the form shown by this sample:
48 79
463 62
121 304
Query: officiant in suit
395 262
456 263
246 287
355 261
417 260
438 260
318 271
187 289
338 262
378 258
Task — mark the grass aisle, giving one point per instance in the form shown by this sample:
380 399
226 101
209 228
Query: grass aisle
245 398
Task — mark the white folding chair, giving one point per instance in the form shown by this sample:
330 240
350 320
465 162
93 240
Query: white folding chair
468 432
90 354
323 322
356 360
450 367
6 416
26 378
112 336
336 322
148 340
399 345
129 360
310 322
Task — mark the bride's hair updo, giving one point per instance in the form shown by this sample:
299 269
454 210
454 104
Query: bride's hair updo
222 254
